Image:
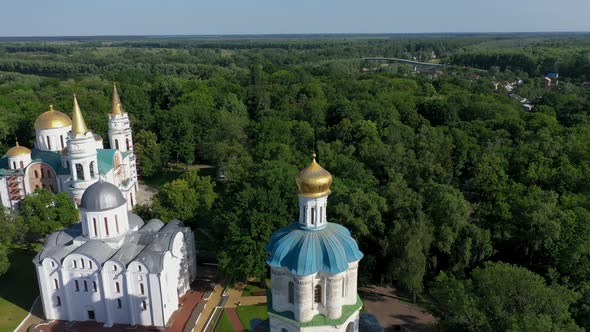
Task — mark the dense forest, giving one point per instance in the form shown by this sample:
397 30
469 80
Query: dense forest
453 191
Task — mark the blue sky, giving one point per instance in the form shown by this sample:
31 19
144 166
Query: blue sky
171 17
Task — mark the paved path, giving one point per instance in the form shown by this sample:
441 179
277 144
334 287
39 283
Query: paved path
208 308
188 303
234 319
392 313
35 316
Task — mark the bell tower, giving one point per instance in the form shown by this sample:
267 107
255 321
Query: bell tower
82 156
314 265
120 135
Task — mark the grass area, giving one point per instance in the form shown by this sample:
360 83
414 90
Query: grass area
18 288
248 313
251 288
166 175
224 324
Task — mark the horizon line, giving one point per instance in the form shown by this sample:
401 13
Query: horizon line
295 34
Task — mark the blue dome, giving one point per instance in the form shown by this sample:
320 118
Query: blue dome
306 252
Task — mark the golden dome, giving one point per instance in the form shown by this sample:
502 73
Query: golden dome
314 181
16 151
52 119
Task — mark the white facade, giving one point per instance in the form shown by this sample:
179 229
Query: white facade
113 268
67 160
314 266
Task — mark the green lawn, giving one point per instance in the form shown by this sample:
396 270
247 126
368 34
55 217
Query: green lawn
18 288
224 324
252 287
249 312
166 175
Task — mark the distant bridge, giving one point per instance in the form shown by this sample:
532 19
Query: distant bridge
417 64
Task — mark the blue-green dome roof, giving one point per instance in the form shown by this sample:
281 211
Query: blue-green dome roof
305 252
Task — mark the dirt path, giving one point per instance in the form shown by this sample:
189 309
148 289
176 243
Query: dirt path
393 313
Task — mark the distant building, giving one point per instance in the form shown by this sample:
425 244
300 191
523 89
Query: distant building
586 85
551 78
68 157
113 268
314 265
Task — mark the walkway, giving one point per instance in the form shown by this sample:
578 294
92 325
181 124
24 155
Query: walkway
394 313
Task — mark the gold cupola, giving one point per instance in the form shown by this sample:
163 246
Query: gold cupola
314 181
16 151
78 124
117 108
52 119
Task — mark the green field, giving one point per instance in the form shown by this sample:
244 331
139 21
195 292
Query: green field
251 312
224 324
18 288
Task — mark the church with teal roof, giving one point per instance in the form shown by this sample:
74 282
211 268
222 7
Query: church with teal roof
68 157
314 265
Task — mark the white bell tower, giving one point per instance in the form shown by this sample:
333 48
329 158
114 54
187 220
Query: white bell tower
120 135
82 156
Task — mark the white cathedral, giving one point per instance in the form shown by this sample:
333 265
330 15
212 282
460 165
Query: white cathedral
113 268
314 265
68 157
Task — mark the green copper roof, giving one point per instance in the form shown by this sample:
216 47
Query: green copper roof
51 158
106 160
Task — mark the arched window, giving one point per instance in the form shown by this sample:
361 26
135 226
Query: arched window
127 144
117 287
139 268
92 169
321 214
317 294
55 284
117 223
291 292
58 301
94 288
14 165
79 172
85 285
77 286
313 216
48 172
48 144
106 226
36 173
89 264
82 262
114 267
22 165
119 304
131 199
95 227
51 188
117 144
305 215
141 289
75 264
143 305
61 138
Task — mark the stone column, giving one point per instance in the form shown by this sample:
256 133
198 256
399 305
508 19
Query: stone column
334 297
303 299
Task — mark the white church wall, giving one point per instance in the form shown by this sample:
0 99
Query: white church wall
57 137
